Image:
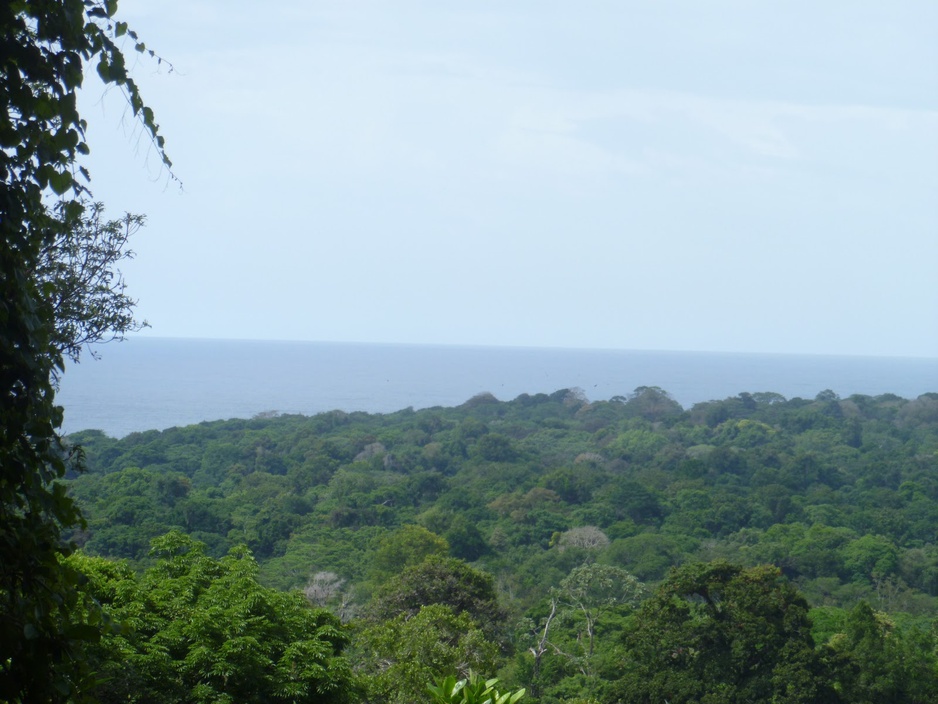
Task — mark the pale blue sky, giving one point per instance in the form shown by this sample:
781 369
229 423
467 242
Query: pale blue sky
729 176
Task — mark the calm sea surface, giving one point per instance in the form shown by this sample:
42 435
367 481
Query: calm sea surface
149 383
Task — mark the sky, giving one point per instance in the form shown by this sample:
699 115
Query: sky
673 175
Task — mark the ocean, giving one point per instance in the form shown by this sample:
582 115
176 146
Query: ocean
150 383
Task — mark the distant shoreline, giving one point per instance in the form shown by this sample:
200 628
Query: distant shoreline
166 382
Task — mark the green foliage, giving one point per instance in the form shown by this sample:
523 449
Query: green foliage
574 645
471 690
293 486
399 656
405 547
652 404
45 311
78 274
870 556
465 539
717 632
203 630
376 501
493 447
637 445
444 581
880 664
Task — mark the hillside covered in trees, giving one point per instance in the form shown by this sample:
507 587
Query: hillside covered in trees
623 550
757 549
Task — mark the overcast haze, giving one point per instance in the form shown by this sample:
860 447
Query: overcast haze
720 176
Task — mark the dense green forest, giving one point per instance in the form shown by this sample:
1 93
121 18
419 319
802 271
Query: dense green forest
751 549
755 549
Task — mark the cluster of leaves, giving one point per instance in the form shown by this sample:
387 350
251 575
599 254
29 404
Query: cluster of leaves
198 629
471 690
78 274
437 616
717 632
719 629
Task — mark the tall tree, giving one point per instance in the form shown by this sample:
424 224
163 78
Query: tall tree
717 632
78 275
585 608
442 580
878 664
45 46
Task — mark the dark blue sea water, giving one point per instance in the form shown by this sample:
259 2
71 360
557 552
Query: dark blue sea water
149 383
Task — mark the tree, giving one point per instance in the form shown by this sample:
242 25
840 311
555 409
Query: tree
407 546
579 610
78 274
651 403
587 593
197 629
325 590
583 537
45 47
400 656
879 664
717 632
441 580
494 447
465 539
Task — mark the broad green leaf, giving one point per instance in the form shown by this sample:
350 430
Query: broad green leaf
104 70
60 182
